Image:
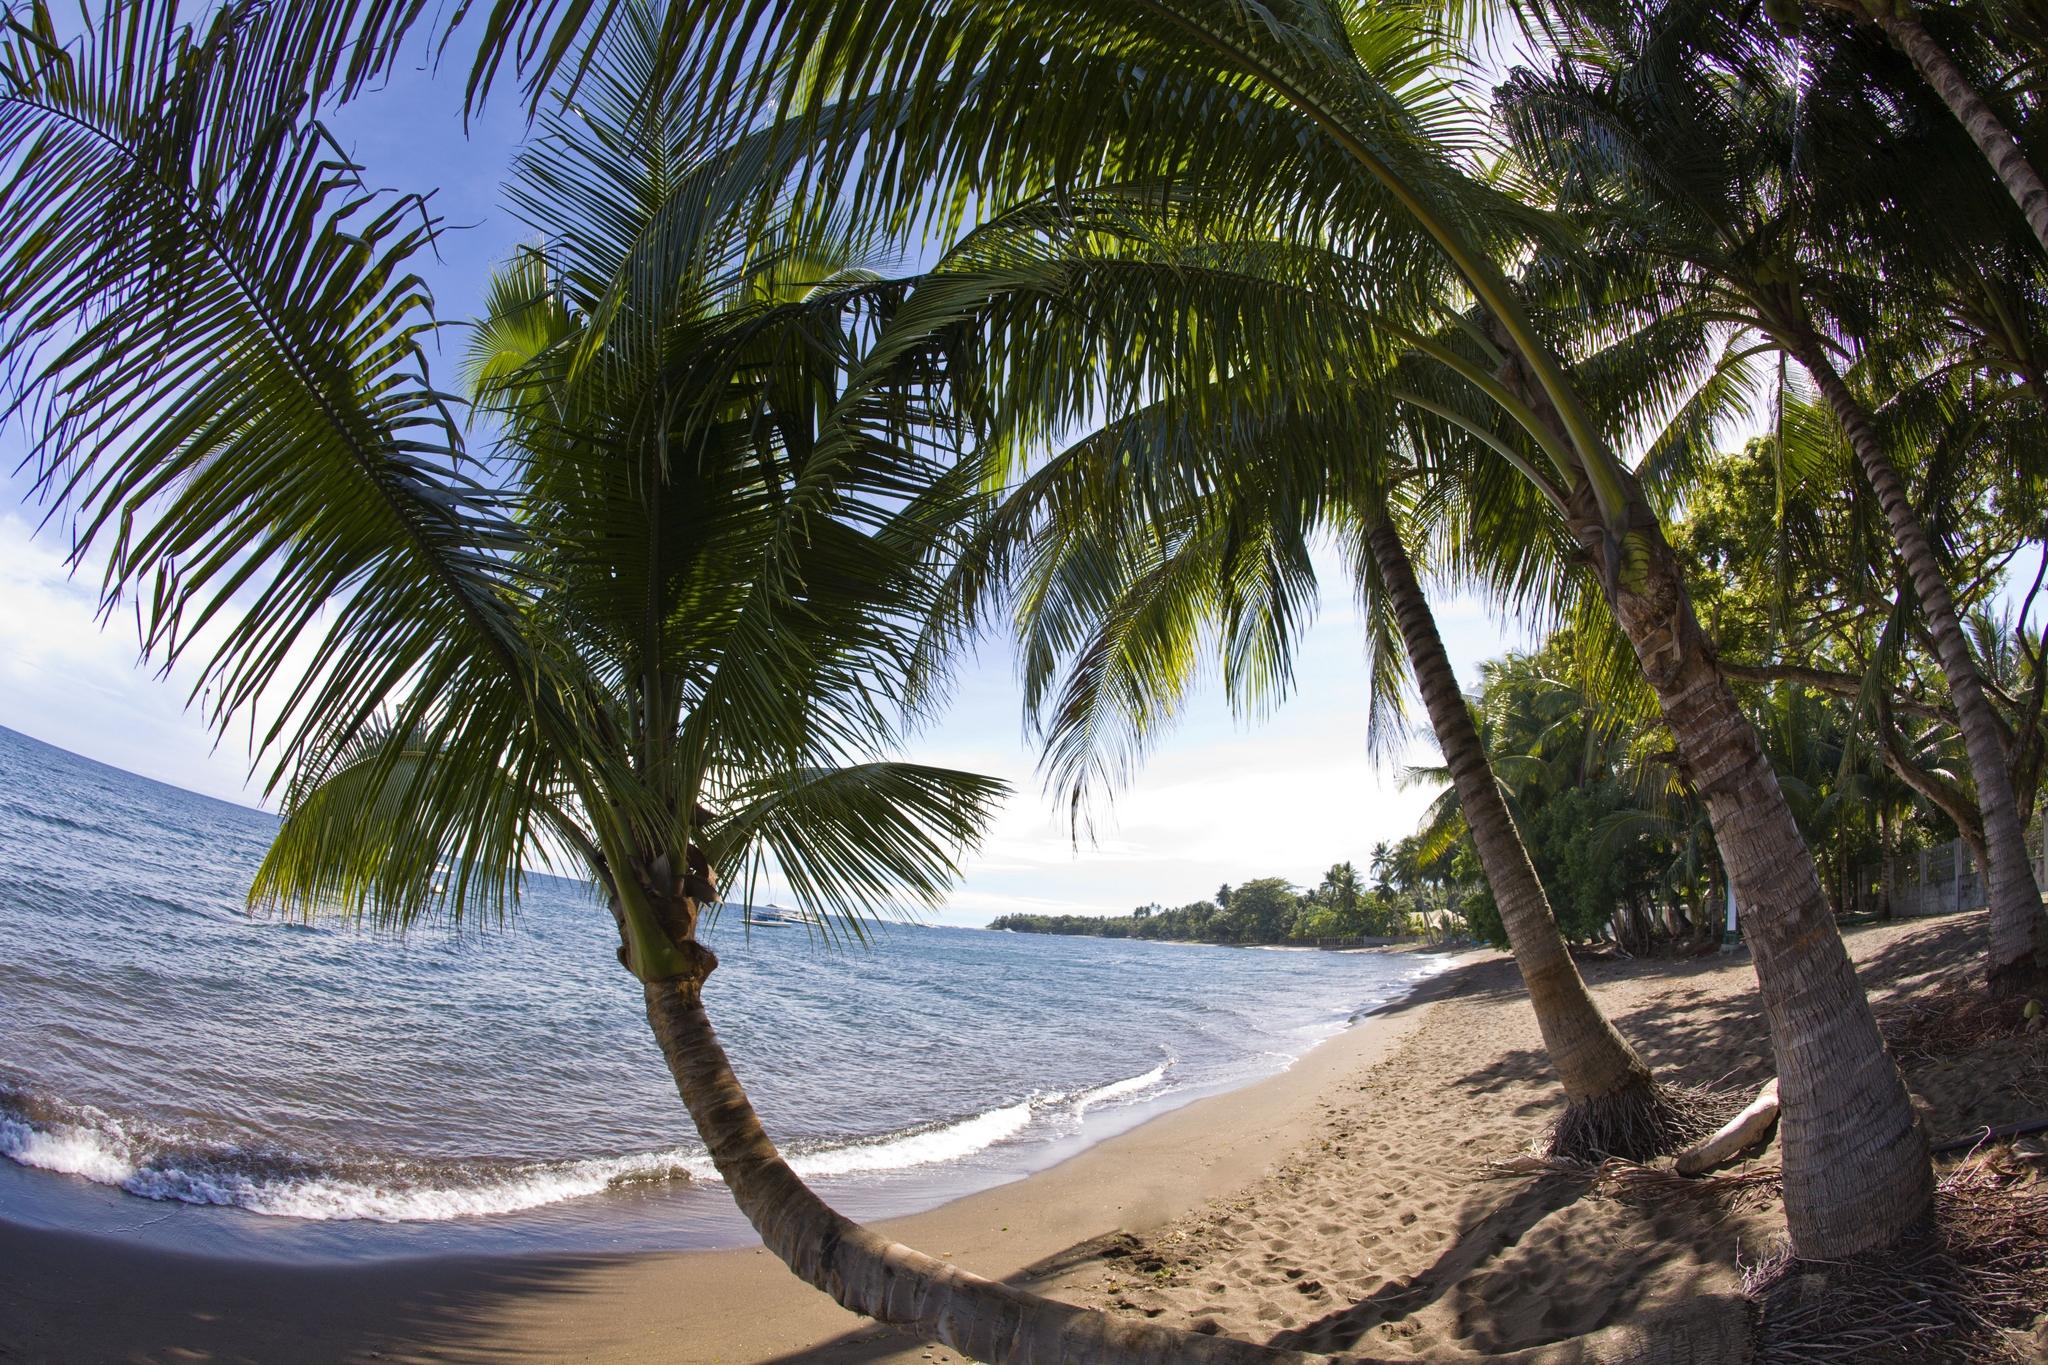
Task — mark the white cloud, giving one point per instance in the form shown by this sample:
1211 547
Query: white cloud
67 680
1217 801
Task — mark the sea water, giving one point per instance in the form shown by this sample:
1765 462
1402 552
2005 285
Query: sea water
277 1087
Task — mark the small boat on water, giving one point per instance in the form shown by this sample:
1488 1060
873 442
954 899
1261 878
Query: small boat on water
775 917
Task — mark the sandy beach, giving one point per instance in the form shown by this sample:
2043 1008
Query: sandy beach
1354 1202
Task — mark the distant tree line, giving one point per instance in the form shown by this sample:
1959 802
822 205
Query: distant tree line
1401 901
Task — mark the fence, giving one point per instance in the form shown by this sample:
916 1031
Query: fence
1935 881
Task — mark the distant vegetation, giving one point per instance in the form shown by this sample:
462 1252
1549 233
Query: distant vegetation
1273 910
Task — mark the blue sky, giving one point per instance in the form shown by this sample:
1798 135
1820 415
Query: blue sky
1219 800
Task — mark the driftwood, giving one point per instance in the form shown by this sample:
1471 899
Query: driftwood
1739 1132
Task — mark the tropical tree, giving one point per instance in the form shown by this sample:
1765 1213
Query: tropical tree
662 646
1617 1106
1195 93
1185 529
1684 132
658 634
1903 23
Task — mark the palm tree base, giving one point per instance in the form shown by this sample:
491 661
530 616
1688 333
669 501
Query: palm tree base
2024 979
1638 1122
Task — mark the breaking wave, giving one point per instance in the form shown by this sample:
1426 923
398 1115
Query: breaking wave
156 1164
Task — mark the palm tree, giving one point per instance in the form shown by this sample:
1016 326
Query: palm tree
1188 526
692 574
1697 140
1616 1104
1200 92
990 93
1901 22
663 645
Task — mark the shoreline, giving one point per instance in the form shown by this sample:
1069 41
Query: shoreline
697 1215
94 1298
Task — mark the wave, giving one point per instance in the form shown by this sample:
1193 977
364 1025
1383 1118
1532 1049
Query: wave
926 1146
1116 1090
154 1164
385 1190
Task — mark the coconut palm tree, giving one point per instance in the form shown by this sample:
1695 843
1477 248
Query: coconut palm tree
1195 91
995 94
656 634
1939 57
1681 123
1185 529
1905 25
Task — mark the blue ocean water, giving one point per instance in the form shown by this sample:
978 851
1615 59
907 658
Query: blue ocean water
332 1090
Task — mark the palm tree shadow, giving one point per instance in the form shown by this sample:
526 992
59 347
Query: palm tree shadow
1484 1231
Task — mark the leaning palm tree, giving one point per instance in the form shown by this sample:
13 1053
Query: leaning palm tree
1934 54
1903 23
1288 107
1691 136
979 95
1182 533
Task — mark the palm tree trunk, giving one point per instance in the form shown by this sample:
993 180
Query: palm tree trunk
1857 1173
989 1321
2019 928
868 1273
1984 127
1614 1104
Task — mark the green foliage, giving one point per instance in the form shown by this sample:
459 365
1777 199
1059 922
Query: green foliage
1263 910
1186 924
1587 880
663 627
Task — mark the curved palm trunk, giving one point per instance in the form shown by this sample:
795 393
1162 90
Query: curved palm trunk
1615 1105
994 1322
1857 1173
2017 174
868 1273
2019 928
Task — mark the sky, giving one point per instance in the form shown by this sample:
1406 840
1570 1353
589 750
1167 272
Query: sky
1218 801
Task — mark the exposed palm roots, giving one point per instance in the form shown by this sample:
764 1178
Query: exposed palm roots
1971 1286
1639 1123
2026 979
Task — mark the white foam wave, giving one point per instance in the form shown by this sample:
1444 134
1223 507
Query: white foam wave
1118 1089
326 1198
388 1192
923 1147
100 1149
69 1149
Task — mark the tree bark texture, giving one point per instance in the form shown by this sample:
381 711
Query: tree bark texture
2019 928
1857 1173
1593 1060
1985 128
989 1321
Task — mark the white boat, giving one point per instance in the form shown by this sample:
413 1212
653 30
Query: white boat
775 917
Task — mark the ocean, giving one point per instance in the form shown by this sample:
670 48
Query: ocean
174 1070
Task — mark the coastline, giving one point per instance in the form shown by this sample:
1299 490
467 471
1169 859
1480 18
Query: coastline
1374 1201
73 1297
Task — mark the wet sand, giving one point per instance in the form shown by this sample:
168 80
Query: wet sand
1351 1203
68 1299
